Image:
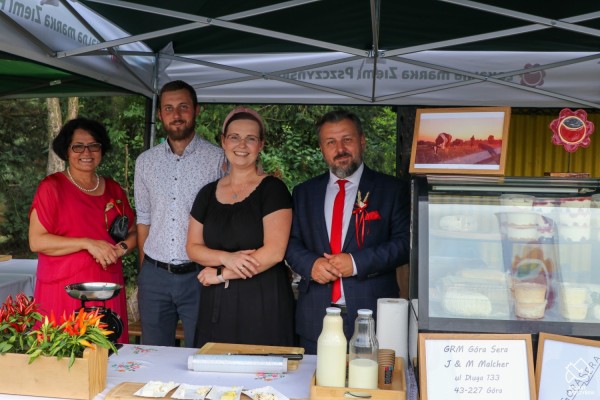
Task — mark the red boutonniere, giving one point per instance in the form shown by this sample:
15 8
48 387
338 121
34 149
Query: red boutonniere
362 216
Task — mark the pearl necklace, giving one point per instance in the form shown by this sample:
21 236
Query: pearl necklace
83 189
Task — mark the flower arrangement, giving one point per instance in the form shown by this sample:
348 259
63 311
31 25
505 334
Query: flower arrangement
24 330
362 216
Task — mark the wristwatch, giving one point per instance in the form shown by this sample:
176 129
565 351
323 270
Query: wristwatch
123 245
221 278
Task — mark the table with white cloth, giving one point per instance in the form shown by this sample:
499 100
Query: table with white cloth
22 267
13 284
139 363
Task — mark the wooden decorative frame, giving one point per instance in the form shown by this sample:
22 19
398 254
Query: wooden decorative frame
476 366
567 367
471 140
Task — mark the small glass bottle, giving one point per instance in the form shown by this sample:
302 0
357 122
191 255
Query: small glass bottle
363 365
331 351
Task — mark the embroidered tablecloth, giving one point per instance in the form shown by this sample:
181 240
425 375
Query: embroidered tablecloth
139 363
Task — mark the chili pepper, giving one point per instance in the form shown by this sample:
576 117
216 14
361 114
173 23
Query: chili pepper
86 343
52 319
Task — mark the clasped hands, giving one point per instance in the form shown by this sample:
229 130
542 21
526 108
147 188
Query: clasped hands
241 263
105 253
330 267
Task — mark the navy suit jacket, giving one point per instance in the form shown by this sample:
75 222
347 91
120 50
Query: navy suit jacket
386 247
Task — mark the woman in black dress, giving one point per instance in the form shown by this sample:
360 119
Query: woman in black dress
239 229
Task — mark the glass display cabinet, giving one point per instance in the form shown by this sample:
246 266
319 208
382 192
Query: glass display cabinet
506 255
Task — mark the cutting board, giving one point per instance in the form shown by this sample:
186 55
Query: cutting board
126 390
225 348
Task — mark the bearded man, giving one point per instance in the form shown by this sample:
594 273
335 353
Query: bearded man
167 178
350 231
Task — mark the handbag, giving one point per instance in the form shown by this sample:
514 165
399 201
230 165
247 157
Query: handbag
120 225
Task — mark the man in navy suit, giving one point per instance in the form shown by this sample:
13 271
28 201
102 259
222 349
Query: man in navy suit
375 232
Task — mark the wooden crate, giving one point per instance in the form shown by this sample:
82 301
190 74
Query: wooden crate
51 377
226 348
397 391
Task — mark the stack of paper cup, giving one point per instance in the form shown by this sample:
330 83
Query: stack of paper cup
530 300
574 301
386 359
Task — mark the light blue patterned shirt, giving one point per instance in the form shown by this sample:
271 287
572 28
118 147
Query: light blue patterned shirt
165 188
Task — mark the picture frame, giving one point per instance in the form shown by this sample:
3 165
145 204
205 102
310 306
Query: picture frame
469 140
567 367
456 366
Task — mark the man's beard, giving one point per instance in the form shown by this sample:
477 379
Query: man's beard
343 172
180 134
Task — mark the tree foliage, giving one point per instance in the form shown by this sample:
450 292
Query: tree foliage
22 165
291 151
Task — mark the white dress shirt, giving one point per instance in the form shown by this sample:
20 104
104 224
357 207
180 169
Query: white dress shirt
351 190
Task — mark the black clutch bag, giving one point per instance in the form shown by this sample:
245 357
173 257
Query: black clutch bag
119 228
120 225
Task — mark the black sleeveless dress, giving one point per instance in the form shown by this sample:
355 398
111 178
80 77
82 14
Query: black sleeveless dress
258 310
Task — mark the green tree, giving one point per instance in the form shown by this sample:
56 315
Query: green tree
124 120
291 152
23 159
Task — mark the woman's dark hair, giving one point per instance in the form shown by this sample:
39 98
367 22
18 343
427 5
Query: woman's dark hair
61 143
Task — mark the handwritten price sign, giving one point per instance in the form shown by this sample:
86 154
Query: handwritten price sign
476 367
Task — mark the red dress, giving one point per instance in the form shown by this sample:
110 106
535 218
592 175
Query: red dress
64 210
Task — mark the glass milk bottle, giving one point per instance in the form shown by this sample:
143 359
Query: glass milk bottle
363 366
331 351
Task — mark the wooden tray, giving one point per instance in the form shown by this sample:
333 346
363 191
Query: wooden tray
225 348
397 392
126 390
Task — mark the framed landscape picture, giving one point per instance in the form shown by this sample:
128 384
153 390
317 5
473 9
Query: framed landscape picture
469 140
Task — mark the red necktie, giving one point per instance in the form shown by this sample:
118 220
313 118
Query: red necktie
335 240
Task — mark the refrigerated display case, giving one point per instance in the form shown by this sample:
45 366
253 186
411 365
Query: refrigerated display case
506 255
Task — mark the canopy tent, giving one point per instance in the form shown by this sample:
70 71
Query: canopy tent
430 52
27 79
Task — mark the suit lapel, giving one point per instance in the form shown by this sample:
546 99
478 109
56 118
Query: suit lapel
319 210
364 186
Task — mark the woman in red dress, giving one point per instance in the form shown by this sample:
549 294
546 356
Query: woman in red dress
68 224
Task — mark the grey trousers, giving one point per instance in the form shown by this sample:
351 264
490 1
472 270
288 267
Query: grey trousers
164 299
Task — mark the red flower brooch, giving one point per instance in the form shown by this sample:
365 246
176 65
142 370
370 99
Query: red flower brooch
362 216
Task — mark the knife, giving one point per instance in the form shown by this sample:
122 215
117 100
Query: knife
289 356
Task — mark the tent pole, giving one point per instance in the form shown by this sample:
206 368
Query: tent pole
154 101
405 126
148 124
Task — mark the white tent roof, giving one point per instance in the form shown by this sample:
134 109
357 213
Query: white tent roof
321 52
